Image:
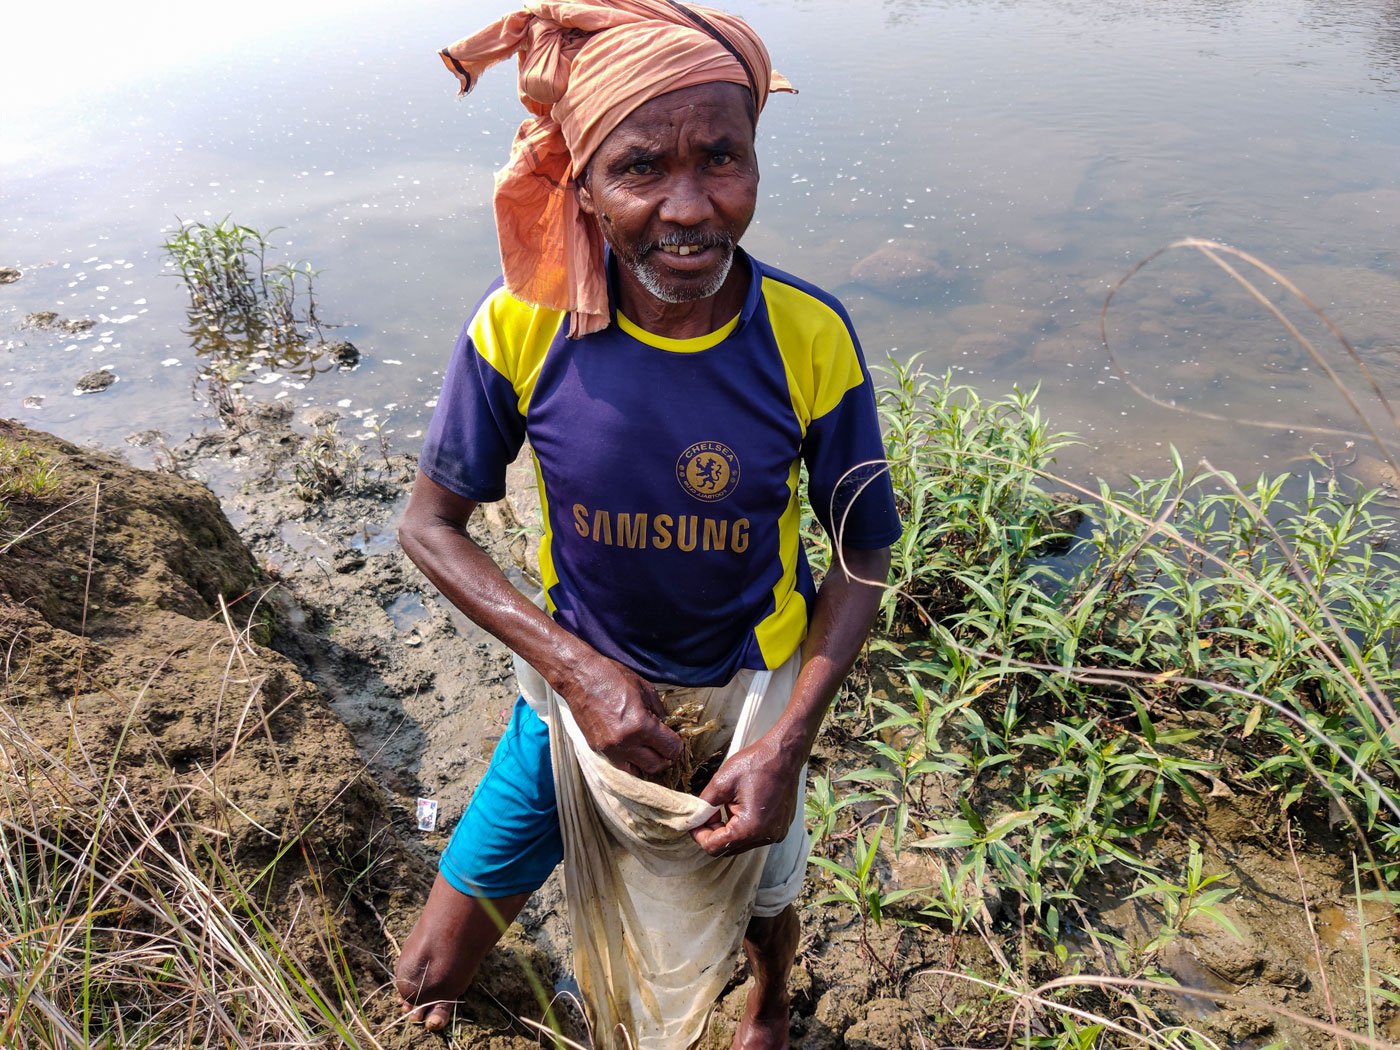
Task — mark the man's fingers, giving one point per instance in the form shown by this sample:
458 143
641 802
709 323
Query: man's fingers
639 761
653 700
671 744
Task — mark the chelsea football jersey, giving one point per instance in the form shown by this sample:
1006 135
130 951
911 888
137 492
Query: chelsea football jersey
668 469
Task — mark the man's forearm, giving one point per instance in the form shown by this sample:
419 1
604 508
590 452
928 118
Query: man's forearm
433 535
472 581
618 713
758 785
846 606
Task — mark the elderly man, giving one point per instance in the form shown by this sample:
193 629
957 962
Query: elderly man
671 388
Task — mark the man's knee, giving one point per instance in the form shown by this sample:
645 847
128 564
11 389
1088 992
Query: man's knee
768 933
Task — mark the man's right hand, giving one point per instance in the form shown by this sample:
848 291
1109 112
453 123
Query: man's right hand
621 716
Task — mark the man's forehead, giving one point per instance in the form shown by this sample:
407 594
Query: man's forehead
720 104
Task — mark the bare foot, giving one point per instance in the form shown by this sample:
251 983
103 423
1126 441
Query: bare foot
445 949
765 1025
771 946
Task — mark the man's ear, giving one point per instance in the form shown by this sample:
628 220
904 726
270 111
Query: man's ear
585 197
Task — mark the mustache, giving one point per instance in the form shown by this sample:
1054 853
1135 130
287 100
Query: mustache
693 239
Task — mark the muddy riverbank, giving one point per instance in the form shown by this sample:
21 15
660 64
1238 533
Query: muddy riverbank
373 694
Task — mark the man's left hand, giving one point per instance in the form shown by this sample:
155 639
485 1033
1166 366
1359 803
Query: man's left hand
759 790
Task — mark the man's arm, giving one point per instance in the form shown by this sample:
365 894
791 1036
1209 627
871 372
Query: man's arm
617 711
758 784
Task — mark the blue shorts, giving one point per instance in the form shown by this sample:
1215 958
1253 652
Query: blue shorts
508 840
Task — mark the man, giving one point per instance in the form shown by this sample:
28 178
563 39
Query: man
669 414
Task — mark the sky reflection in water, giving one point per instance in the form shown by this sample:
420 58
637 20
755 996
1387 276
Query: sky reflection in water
970 177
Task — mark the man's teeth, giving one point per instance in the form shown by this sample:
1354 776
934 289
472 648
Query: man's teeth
680 249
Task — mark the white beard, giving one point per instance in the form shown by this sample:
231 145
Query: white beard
652 280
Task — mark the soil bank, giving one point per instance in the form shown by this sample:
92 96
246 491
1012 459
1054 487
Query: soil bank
376 693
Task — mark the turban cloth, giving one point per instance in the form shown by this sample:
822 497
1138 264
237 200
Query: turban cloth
584 65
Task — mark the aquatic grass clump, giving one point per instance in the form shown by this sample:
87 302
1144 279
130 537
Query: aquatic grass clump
326 465
245 314
965 481
231 286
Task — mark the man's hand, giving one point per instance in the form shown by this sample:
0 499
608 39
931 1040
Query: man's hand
620 716
758 786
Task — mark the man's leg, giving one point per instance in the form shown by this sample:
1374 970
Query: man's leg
501 851
771 946
445 949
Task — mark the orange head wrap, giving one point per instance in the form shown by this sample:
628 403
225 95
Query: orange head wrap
584 66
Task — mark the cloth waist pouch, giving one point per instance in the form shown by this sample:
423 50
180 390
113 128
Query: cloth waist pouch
656 920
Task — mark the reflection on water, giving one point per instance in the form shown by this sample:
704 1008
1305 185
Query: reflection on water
970 176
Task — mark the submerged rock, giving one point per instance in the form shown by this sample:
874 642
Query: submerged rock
9 275
94 382
902 267
44 319
344 353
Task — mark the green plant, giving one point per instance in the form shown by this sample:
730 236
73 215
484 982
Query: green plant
25 472
325 466
245 314
1196 894
964 476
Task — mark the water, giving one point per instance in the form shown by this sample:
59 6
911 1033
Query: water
1021 155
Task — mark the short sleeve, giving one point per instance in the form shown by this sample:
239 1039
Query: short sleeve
477 427
848 480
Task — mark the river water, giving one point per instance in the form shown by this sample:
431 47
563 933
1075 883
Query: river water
970 176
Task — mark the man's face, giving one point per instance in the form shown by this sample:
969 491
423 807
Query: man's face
674 187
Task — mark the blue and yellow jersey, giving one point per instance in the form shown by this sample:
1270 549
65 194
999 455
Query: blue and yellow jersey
668 468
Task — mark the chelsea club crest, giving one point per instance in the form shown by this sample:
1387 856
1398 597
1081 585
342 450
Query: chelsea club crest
708 470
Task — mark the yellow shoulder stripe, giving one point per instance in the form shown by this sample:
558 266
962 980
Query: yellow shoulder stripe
513 338
819 355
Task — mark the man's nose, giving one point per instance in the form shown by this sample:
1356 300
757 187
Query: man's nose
686 203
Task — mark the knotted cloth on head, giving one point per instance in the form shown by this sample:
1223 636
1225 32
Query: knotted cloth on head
584 66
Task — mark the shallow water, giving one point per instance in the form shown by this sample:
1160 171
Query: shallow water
970 177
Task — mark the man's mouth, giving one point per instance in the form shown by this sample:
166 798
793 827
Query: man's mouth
684 249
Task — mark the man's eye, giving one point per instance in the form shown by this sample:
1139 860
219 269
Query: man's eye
639 167
721 159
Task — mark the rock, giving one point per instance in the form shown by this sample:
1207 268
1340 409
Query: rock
902 267
1000 318
349 560
1364 303
316 418
143 438
835 1012
1375 209
49 319
9 275
1236 961
1076 348
987 347
1279 969
1044 241
1372 472
33 401
94 382
344 353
